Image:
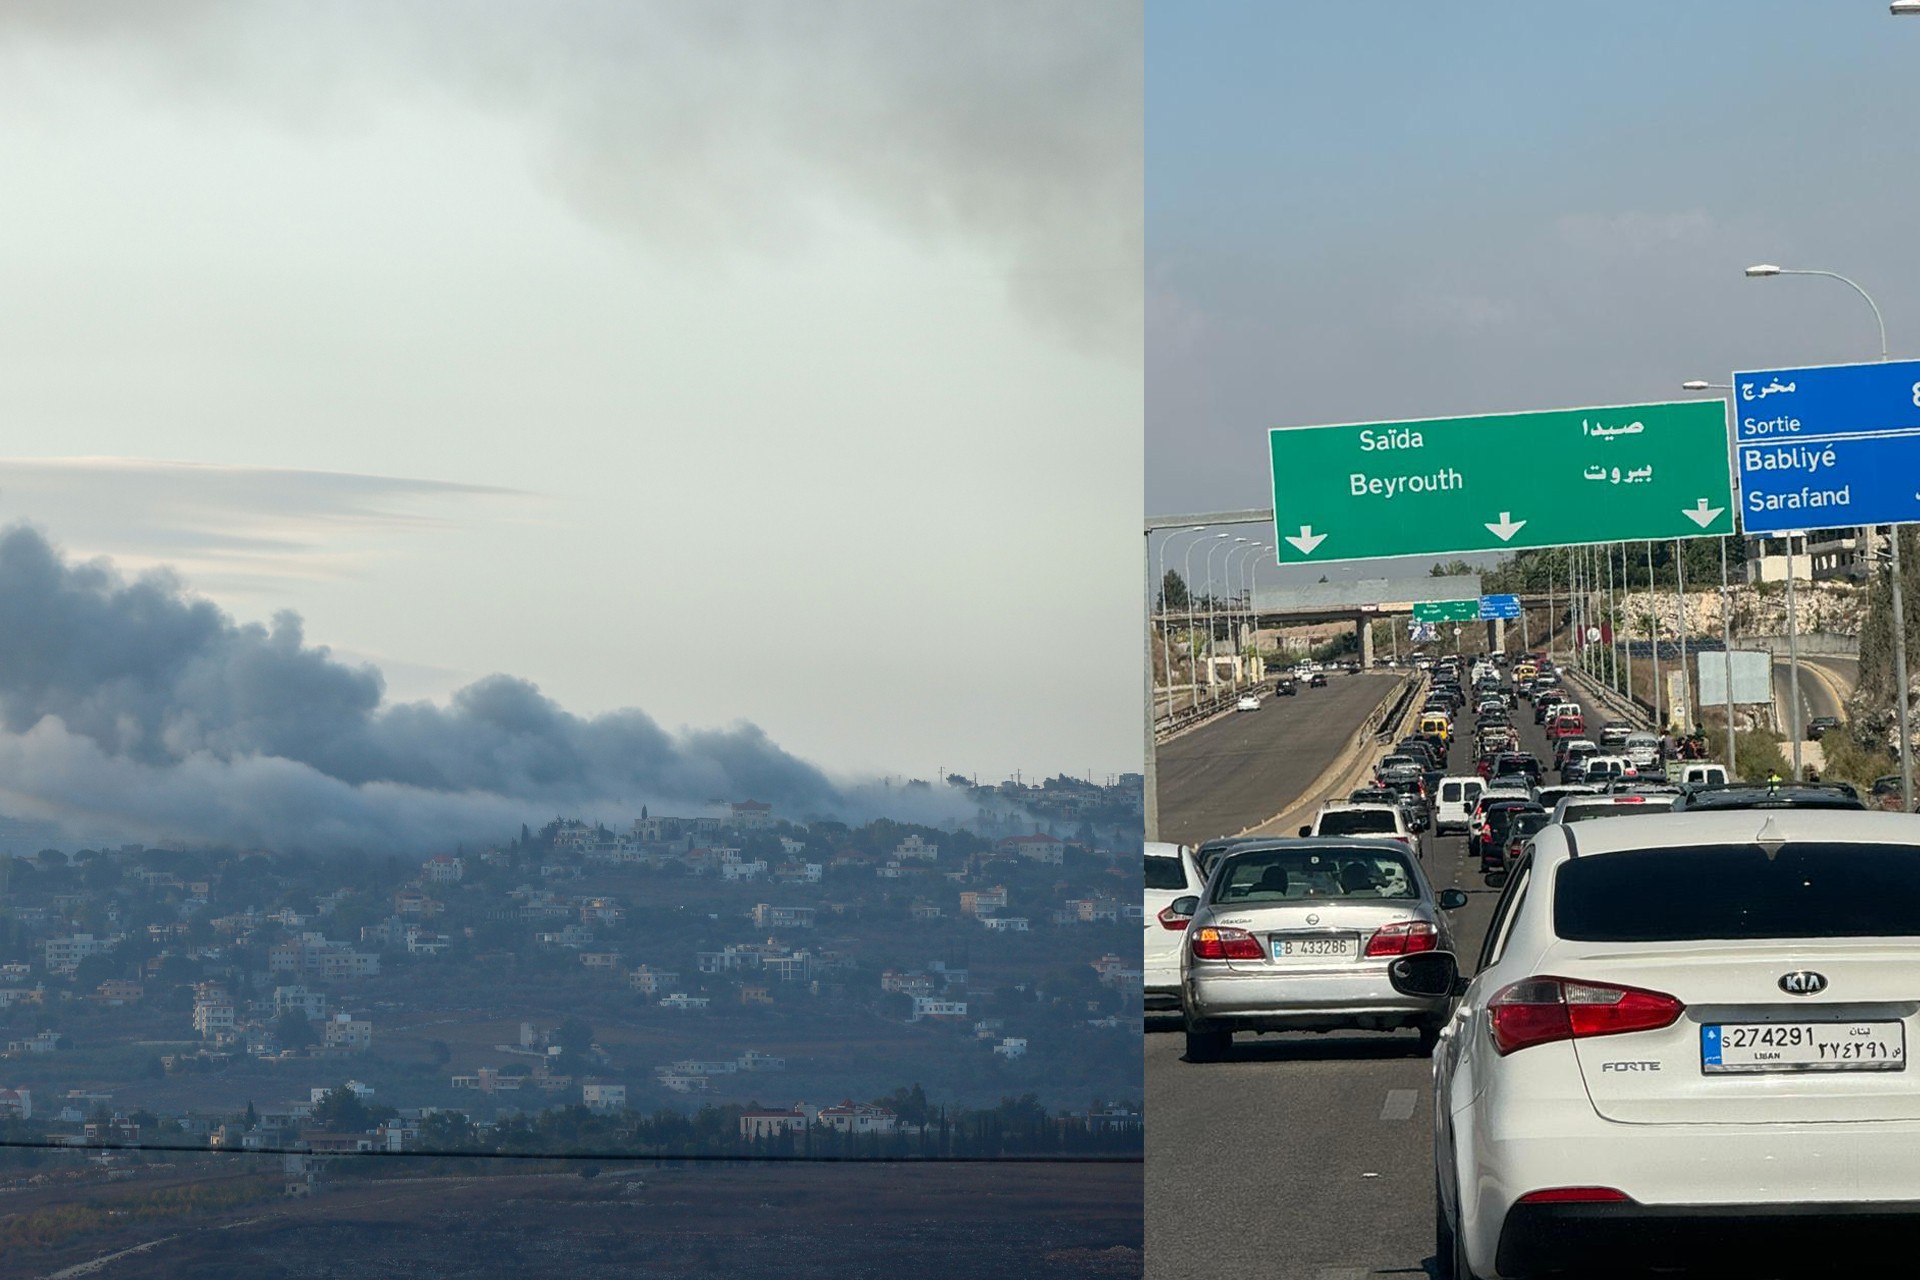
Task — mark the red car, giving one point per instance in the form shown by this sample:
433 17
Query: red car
1568 727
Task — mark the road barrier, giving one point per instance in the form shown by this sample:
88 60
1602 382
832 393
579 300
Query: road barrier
1354 765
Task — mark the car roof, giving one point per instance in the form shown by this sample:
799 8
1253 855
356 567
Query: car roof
1740 826
1165 849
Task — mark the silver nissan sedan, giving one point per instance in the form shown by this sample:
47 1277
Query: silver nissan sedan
1296 935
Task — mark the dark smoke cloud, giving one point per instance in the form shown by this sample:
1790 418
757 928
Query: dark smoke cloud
131 709
718 127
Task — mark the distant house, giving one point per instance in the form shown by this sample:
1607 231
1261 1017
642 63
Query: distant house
767 1124
599 1095
16 1104
1005 924
1036 848
296 998
750 815
925 911
1011 1047
349 1034
652 982
443 869
118 991
768 916
857 1117
913 848
755 995
681 1000
983 902
932 1007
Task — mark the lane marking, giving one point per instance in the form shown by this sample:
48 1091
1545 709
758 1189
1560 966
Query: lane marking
1399 1104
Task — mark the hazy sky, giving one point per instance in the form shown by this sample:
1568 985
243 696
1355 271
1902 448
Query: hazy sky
749 361
1358 214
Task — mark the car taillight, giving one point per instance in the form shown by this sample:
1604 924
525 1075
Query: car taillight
1403 938
1542 1010
1576 1195
1219 943
1169 920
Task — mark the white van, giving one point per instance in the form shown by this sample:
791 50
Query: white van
1455 805
1601 770
1702 773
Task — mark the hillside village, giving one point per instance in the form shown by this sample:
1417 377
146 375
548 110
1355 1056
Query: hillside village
734 958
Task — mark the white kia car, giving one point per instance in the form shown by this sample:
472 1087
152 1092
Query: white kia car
1685 1044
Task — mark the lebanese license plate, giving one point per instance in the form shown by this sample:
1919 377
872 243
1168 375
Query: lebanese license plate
1340 946
1803 1046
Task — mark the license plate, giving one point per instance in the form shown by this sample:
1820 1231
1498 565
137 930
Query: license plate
1803 1046
1344 946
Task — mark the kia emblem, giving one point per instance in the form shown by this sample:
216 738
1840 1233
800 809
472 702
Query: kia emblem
1313 919
1803 982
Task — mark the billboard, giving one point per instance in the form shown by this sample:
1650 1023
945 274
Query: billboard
1752 677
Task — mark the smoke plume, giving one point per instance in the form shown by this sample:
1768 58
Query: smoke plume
131 709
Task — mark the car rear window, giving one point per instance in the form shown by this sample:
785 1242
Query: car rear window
1357 822
1165 873
1280 875
1809 890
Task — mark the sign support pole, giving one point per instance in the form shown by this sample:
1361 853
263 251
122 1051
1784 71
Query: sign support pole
1150 778
1726 629
1613 629
1626 638
1900 675
1793 662
1680 600
1653 634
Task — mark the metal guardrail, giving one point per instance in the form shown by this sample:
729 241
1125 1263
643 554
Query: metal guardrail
1640 713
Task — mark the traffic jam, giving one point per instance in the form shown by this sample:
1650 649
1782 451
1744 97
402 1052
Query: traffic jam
1627 1014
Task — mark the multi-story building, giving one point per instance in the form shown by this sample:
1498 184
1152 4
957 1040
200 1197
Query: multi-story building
298 999
443 869
767 916
65 954
652 982
213 1019
913 848
600 1095
934 1007
348 1033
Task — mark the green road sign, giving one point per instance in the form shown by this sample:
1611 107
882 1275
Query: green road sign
1444 486
1447 611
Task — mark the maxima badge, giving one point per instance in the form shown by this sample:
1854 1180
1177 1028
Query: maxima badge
1803 982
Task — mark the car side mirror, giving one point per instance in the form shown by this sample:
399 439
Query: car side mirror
1306 831
1184 906
1427 974
1452 899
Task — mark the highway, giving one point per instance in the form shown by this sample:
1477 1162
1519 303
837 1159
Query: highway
1825 682
1304 1157
1243 768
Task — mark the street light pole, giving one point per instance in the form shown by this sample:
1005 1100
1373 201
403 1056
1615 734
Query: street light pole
1897 600
1228 548
1233 583
1166 629
1193 646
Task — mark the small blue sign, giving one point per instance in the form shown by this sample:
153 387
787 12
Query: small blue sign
1503 607
1710 1046
1827 446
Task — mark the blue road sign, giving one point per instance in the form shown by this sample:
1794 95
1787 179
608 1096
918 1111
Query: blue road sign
1499 607
1827 446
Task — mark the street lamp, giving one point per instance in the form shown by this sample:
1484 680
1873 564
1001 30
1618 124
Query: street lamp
1904 7
1253 587
1229 550
1193 657
1166 630
1696 384
1898 599
1254 549
1233 583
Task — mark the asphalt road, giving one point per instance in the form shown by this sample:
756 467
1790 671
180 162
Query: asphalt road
1305 1157
1824 683
1244 768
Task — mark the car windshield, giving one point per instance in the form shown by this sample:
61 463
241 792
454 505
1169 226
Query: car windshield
1806 890
1165 873
1358 822
1279 875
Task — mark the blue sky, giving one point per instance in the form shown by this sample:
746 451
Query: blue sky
1363 212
